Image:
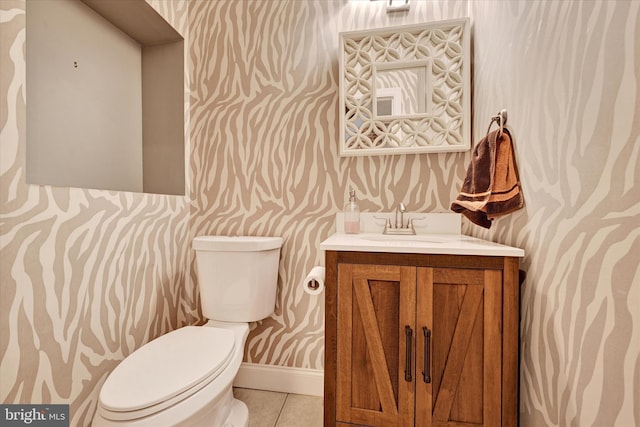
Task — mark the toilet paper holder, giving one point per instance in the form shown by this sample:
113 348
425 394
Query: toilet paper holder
313 284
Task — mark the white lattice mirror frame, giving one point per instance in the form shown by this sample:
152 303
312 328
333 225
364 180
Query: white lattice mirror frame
433 115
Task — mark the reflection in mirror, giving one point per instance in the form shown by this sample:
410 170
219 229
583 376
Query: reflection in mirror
402 89
388 102
405 89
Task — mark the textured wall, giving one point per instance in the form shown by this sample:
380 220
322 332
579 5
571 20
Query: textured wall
264 104
264 99
81 268
568 73
86 276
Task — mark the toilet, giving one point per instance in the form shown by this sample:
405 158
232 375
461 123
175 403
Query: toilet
185 378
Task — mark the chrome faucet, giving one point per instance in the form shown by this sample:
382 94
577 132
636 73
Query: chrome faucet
400 227
401 209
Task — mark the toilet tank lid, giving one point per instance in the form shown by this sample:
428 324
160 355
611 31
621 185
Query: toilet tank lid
236 243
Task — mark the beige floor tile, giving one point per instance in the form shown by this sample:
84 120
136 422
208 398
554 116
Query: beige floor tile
264 406
301 411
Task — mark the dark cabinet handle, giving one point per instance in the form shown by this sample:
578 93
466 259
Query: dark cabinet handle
426 374
408 334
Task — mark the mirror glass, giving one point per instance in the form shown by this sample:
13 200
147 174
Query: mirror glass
406 89
402 89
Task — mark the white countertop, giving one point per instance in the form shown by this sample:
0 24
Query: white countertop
437 244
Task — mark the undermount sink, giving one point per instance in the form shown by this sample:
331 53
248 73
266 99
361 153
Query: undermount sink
409 238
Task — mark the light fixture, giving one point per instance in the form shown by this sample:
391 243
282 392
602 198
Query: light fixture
398 5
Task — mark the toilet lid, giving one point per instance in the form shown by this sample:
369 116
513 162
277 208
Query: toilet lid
185 359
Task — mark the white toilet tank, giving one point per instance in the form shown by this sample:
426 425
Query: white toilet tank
237 276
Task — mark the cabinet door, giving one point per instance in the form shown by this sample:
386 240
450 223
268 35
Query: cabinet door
459 344
376 324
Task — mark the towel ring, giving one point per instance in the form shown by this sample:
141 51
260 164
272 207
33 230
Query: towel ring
500 119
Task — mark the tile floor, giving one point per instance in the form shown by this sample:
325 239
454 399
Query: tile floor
273 409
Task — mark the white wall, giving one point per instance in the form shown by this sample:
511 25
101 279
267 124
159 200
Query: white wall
163 118
84 99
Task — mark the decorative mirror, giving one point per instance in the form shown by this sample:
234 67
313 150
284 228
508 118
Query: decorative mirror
405 89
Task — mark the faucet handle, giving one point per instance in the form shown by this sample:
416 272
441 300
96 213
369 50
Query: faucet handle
387 222
411 221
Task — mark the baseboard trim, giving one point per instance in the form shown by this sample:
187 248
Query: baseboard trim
280 378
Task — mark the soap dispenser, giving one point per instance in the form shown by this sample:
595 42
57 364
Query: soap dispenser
352 214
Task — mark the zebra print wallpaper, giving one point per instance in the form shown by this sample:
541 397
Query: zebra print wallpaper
265 125
568 73
88 276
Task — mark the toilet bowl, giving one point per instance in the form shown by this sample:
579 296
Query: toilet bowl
184 378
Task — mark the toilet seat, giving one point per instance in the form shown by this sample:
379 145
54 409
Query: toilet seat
165 371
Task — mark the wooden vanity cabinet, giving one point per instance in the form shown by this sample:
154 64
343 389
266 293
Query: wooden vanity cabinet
421 340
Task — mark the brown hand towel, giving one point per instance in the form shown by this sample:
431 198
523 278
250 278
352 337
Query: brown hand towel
492 185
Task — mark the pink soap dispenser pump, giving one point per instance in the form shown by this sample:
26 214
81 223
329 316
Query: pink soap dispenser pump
352 214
